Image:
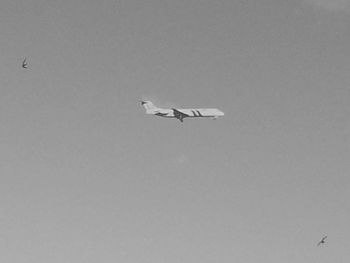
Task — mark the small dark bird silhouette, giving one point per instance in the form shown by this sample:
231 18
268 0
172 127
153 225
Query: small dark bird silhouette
322 241
24 63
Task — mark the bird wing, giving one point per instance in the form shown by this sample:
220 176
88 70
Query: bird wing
322 240
24 63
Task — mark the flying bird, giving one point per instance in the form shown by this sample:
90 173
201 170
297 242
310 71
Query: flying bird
24 63
322 241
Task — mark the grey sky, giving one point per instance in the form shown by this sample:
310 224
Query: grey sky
86 176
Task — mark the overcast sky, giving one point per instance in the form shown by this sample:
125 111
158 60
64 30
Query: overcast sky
86 176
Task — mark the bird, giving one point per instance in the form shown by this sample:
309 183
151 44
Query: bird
24 63
322 241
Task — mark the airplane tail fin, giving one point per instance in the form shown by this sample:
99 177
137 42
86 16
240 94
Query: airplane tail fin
149 106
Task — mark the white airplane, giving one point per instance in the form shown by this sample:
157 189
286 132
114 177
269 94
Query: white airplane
181 113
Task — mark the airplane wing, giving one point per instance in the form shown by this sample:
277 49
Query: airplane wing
179 115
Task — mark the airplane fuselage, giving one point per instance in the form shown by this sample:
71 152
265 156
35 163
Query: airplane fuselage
169 113
182 113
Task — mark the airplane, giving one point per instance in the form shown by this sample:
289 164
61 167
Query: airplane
181 113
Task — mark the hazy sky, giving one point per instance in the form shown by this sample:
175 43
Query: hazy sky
86 176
